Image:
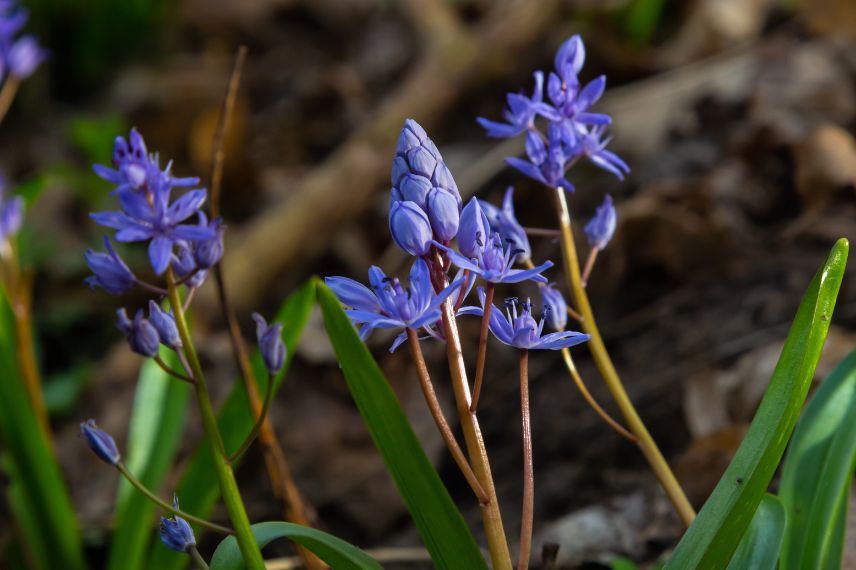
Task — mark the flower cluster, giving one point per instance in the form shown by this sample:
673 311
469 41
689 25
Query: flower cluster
573 130
20 56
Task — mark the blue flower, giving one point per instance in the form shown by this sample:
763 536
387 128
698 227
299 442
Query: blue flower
547 159
184 264
11 213
555 308
388 304
600 228
109 270
410 227
142 336
494 263
523 331
100 442
175 532
504 221
417 169
594 148
521 112
474 229
25 56
208 252
164 323
270 344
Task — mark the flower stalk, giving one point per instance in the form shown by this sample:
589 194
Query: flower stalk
528 510
193 552
607 370
482 354
228 486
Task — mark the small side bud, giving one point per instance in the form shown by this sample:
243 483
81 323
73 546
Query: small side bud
142 336
600 228
164 323
555 308
175 532
443 213
270 343
100 442
473 230
208 252
410 228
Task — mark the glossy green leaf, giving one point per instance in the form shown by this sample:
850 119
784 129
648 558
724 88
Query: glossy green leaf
334 551
199 488
712 538
818 470
759 547
443 530
154 435
37 493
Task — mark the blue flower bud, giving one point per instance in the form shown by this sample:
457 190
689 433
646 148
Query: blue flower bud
175 532
473 230
11 216
208 252
164 323
415 188
410 228
141 335
555 308
443 213
185 264
100 442
25 56
110 271
600 228
270 343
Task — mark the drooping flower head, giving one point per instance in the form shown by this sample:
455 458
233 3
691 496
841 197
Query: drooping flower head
147 213
100 442
494 263
270 342
555 308
521 330
504 221
420 177
601 227
390 305
175 532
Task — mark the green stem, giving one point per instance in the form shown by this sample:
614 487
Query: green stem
123 469
607 370
197 558
228 486
259 422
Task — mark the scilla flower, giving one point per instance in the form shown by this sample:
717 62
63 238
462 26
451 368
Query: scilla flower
142 336
522 330
390 305
503 221
270 344
164 323
109 271
100 442
175 532
520 113
474 229
410 227
601 227
494 263
555 308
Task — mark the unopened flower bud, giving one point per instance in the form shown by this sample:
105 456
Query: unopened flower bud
443 213
142 336
473 230
410 228
25 56
555 308
270 344
164 323
600 228
208 252
100 442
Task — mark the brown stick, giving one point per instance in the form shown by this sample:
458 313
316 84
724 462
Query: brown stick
528 473
437 413
482 355
279 473
592 257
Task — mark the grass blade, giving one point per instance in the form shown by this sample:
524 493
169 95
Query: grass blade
712 538
199 489
759 547
334 551
443 530
818 470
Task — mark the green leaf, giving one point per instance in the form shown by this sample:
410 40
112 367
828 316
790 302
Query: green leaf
712 538
759 547
49 524
443 530
154 435
199 488
818 470
334 551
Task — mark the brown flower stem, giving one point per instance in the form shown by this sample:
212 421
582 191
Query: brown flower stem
7 95
294 507
528 473
546 232
482 354
575 375
592 257
440 419
172 372
607 369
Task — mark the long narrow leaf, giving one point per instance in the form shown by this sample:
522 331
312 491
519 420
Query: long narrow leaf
38 486
332 550
818 470
443 530
759 547
712 538
199 488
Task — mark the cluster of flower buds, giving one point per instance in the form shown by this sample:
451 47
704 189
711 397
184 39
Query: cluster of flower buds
573 131
20 56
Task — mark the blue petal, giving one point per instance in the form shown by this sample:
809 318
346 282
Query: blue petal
398 340
353 293
499 130
186 206
136 205
160 250
519 275
134 232
459 259
527 168
559 340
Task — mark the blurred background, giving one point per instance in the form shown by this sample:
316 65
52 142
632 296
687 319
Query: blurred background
736 116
